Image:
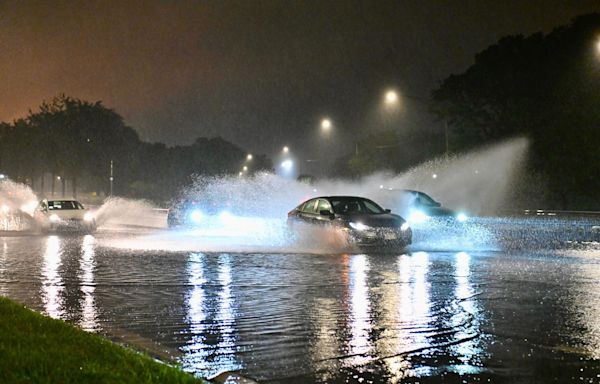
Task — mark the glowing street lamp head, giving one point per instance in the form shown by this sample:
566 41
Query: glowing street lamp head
245 168
391 97
249 157
325 125
286 149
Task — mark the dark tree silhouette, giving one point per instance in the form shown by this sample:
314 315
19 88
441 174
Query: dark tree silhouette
545 87
78 140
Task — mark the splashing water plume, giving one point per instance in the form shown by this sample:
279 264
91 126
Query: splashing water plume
477 181
17 203
118 212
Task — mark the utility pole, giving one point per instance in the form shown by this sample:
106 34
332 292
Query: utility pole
111 178
446 135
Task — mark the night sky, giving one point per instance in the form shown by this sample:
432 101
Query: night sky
259 73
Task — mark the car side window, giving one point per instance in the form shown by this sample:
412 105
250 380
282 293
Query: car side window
324 206
310 206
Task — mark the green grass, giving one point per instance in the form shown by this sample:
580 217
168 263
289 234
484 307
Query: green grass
37 349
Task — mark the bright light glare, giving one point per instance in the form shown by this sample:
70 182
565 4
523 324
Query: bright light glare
286 149
358 226
417 217
54 218
2 176
196 216
29 207
249 157
287 164
326 124
462 217
88 217
226 218
245 168
434 175
391 97
404 227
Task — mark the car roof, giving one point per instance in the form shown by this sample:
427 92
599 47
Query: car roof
50 200
339 197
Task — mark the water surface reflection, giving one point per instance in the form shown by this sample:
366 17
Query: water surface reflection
52 284
321 318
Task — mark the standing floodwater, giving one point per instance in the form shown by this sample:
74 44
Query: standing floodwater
430 315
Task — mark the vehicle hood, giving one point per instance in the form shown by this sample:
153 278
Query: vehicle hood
68 214
385 220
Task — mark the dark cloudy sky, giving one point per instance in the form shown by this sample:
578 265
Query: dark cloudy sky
258 73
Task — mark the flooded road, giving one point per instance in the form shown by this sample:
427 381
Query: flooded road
496 314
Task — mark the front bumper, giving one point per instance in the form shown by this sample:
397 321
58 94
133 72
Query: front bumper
72 225
393 237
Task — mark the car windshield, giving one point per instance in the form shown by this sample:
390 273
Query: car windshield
424 199
64 204
418 198
349 205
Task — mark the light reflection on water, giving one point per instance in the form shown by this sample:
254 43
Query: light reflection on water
307 318
52 284
360 311
3 267
212 345
86 277
465 297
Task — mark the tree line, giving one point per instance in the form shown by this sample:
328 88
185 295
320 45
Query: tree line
76 140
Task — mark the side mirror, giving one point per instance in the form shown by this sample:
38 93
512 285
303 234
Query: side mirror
388 211
326 213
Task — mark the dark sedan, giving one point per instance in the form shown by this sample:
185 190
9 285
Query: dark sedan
366 223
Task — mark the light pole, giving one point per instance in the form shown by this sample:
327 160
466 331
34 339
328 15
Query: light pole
391 98
111 178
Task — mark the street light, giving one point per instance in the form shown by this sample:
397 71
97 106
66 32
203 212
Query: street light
391 98
249 157
286 149
245 168
326 125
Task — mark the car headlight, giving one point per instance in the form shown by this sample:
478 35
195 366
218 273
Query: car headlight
462 217
417 216
225 217
88 217
404 227
196 216
54 218
358 226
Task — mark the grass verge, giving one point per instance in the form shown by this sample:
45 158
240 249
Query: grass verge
37 349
